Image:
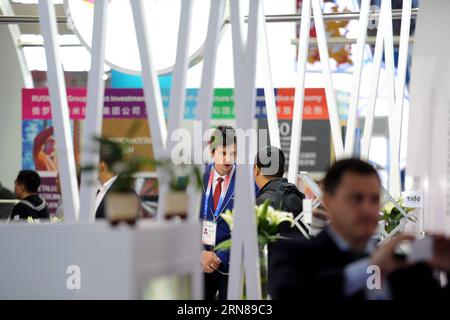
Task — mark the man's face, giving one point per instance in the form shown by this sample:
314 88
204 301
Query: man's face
224 157
18 190
354 207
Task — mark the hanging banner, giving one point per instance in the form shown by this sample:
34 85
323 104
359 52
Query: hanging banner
315 151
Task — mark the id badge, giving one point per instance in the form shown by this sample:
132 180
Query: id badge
209 233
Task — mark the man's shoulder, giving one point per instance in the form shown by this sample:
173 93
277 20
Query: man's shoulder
19 206
303 245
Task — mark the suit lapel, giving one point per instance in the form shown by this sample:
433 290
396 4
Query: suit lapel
229 194
208 169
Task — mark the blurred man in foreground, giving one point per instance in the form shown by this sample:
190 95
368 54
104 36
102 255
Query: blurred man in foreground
342 262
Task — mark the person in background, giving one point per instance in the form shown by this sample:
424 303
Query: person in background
338 262
106 179
218 195
6 208
30 205
282 195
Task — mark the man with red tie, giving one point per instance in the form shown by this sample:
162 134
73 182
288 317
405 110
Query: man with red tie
218 196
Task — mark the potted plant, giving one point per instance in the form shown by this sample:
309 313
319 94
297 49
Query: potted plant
392 216
268 220
178 177
122 203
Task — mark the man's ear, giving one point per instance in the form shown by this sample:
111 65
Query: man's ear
101 166
325 199
20 188
257 170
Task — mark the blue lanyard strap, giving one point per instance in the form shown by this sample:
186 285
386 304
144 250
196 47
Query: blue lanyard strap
208 193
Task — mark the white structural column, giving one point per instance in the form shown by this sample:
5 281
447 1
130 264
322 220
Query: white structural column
356 84
94 113
299 98
177 102
152 92
244 248
336 132
206 92
394 171
60 111
269 93
397 115
370 111
178 91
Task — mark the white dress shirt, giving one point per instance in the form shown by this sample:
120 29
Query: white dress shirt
217 176
103 188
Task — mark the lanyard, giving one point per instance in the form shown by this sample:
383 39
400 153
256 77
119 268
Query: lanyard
222 194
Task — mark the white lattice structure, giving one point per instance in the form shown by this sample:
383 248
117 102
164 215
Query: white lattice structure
246 49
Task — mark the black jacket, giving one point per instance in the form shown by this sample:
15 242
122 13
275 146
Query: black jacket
32 206
315 269
286 197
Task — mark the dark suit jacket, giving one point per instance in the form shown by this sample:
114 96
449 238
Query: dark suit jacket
315 269
223 231
101 212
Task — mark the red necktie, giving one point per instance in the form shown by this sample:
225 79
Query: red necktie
217 192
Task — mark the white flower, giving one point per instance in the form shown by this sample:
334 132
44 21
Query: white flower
55 219
276 217
388 208
273 217
31 220
229 218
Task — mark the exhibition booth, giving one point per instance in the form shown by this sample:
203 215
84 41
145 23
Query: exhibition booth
320 80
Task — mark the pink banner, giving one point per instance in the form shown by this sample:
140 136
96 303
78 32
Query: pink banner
36 103
118 104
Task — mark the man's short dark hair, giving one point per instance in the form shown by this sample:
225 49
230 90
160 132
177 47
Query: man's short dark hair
339 168
223 135
271 161
29 179
107 155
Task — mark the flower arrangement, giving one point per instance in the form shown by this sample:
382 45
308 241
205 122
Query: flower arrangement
53 220
392 216
267 219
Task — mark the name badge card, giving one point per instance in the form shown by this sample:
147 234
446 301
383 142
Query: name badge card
209 233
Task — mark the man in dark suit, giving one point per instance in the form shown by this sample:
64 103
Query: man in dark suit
342 262
106 179
218 196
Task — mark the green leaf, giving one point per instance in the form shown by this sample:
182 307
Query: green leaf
224 245
265 207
